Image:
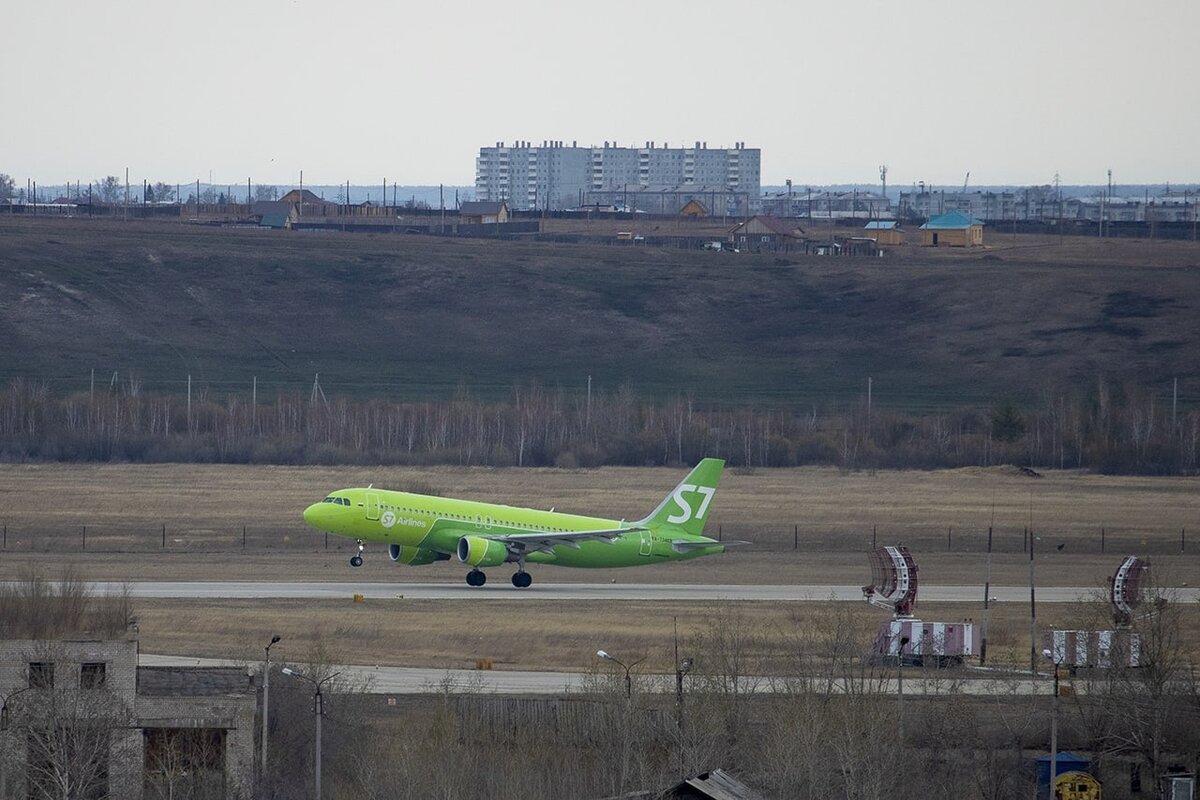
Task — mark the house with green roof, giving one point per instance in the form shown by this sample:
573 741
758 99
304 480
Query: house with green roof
952 229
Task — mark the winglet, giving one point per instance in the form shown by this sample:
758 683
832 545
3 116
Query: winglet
686 508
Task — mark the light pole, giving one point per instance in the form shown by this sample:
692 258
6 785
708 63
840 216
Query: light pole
1053 725
3 740
900 686
624 666
266 702
318 710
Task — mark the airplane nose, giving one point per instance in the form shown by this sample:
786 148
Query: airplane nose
312 514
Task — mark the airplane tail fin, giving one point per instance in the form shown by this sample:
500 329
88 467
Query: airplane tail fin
687 506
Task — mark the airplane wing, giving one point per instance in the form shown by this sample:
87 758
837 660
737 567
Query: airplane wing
545 542
520 541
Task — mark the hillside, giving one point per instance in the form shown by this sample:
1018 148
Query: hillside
409 316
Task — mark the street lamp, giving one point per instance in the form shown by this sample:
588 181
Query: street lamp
266 702
900 685
1053 725
624 666
318 711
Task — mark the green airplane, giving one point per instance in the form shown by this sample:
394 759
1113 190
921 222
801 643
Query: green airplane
420 529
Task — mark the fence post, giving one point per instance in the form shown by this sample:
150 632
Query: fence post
1101 539
718 533
874 532
243 537
84 534
1025 540
164 537
949 544
795 537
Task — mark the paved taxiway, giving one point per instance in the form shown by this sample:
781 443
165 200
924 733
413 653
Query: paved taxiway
418 680
561 592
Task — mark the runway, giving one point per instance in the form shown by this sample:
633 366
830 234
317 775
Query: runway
565 592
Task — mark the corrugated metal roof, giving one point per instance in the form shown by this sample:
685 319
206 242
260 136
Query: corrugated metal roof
881 225
717 785
475 207
951 220
192 681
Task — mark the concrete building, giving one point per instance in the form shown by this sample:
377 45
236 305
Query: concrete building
669 200
121 728
557 176
807 204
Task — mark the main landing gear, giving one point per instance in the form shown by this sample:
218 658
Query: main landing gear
521 579
356 559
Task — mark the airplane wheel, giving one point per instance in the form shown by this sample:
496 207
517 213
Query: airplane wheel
476 578
522 580
356 561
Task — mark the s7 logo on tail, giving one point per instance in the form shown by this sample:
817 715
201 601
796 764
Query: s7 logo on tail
685 507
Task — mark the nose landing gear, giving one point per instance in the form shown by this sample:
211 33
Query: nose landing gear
356 559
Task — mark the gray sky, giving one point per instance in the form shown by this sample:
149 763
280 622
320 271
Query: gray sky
1012 91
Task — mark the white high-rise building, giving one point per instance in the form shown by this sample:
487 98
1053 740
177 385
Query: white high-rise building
557 175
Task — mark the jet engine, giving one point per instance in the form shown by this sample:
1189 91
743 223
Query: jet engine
413 556
480 552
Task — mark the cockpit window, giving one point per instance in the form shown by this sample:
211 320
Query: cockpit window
341 501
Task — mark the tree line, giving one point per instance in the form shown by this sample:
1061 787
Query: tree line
1108 428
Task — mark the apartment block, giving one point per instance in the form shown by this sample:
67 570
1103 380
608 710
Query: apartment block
557 175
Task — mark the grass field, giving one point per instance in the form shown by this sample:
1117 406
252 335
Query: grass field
204 507
417 316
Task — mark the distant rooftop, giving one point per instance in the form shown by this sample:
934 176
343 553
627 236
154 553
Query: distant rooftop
192 681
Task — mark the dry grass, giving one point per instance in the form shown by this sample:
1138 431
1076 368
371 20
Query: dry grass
542 636
834 513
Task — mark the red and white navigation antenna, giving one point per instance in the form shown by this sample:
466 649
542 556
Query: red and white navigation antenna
1128 585
893 580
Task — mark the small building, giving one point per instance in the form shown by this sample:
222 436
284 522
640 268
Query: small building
308 204
151 719
885 232
273 213
483 212
767 233
952 229
694 210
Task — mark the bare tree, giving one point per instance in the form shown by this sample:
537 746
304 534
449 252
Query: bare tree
111 189
7 186
69 734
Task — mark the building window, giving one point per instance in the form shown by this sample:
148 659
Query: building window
41 674
91 675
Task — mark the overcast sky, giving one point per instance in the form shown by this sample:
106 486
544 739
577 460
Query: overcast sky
1011 91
